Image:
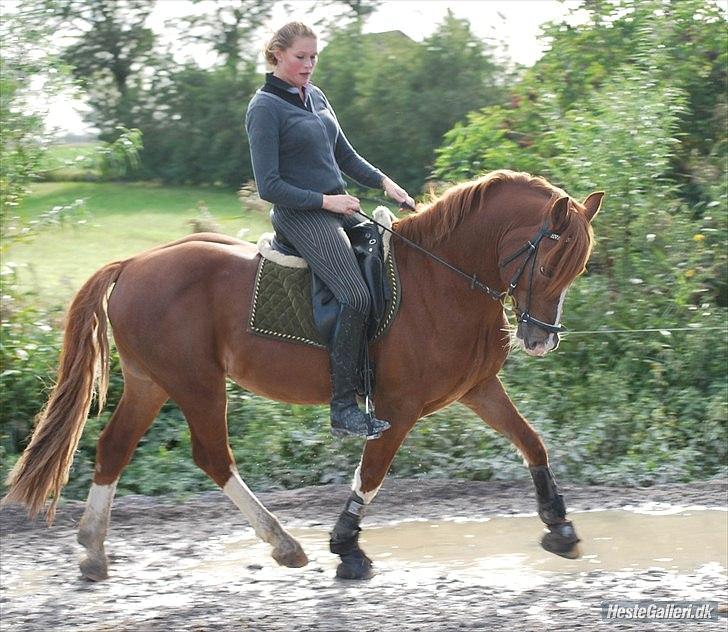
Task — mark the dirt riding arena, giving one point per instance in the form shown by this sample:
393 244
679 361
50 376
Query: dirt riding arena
449 555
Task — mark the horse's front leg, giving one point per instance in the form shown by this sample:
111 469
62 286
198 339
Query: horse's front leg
368 477
491 403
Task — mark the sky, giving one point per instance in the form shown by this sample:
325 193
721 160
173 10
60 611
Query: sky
516 23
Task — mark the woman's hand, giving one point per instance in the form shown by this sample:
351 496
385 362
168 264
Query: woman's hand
396 192
343 204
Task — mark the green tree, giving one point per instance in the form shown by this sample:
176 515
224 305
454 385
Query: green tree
456 74
688 39
193 126
396 98
342 14
22 133
30 74
111 47
226 28
482 143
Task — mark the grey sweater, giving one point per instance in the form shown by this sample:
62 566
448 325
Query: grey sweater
297 154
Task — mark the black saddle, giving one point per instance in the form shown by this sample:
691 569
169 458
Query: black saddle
368 247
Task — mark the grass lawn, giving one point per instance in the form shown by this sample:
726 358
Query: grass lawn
120 220
71 161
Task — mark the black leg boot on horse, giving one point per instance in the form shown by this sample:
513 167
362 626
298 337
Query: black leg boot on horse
345 351
344 542
561 537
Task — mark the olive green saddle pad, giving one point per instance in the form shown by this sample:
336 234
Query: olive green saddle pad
282 308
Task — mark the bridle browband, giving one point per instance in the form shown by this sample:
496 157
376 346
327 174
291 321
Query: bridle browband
530 249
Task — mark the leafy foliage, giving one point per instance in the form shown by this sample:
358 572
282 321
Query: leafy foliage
112 44
398 124
226 28
643 402
677 47
192 125
21 134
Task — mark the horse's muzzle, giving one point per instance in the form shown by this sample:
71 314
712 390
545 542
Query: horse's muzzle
535 341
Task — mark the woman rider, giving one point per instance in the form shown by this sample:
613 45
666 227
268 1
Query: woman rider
298 153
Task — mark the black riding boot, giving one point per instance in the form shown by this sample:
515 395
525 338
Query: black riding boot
345 349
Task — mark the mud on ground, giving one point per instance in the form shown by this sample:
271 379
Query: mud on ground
182 567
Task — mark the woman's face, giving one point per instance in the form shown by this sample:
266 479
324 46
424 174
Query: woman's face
296 63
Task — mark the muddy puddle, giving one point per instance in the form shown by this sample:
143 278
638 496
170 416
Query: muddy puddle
504 550
205 570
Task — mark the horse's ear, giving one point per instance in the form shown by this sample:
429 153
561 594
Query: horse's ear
592 203
559 212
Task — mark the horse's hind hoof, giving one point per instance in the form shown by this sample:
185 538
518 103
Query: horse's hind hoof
356 568
292 556
94 570
561 539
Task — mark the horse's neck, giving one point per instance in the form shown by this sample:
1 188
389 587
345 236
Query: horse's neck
442 304
473 244
480 234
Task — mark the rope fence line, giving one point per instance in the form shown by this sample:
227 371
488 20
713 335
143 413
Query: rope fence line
661 330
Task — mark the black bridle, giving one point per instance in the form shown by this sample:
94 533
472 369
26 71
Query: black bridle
529 249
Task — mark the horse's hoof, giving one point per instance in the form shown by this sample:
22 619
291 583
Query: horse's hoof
94 569
291 556
572 554
360 568
561 539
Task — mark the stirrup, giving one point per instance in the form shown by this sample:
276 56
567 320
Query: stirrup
358 424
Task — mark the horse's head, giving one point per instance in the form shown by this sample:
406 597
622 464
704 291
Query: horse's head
540 265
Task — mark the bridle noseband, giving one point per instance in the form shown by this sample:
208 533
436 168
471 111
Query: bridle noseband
530 249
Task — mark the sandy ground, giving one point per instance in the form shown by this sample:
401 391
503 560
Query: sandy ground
195 566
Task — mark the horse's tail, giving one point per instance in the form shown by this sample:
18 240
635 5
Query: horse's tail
42 469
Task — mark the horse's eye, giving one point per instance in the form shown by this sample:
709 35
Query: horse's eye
546 272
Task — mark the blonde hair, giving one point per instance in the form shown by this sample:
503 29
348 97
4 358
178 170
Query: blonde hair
283 39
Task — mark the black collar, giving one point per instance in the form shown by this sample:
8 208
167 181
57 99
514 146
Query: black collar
282 89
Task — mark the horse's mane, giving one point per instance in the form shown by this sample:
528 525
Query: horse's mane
433 222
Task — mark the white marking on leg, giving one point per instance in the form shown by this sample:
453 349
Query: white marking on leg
356 487
286 549
264 523
92 531
95 521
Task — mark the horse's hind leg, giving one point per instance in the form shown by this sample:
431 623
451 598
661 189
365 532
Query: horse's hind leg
205 409
492 404
136 411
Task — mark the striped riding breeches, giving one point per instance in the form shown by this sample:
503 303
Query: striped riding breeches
320 238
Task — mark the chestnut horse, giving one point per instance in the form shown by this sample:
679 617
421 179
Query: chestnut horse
179 315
